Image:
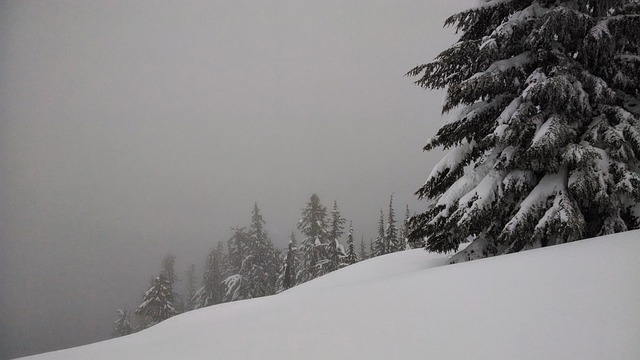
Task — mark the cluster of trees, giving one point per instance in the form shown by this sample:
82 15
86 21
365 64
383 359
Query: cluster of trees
249 266
545 144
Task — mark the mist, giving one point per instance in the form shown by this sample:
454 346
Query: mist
129 130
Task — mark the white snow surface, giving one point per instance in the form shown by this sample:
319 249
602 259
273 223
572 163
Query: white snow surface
571 301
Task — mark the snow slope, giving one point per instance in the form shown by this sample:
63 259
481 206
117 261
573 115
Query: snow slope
573 301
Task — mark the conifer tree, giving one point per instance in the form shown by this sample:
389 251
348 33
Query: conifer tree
337 222
223 259
405 232
236 251
289 269
391 234
363 249
157 303
544 143
313 225
333 249
254 263
350 256
123 325
260 266
168 270
380 245
372 252
190 287
211 291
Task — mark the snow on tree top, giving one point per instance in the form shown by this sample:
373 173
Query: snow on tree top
516 19
489 3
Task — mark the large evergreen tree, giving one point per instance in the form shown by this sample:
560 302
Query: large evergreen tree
313 225
544 140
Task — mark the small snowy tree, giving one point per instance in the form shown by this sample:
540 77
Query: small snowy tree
258 269
393 239
363 249
290 264
380 245
236 251
337 222
168 269
210 293
372 251
544 139
334 252
169 273
123 325
405 232
350 257
313 225
190 287
260 265
157 303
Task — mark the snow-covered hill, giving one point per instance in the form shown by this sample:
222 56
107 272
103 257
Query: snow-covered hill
573 301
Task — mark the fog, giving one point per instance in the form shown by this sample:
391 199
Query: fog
131 129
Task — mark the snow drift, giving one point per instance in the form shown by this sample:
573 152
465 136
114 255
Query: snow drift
573 301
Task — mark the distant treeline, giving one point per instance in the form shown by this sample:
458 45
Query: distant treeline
249 266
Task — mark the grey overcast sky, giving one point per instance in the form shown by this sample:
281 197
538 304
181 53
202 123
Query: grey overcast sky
130 129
